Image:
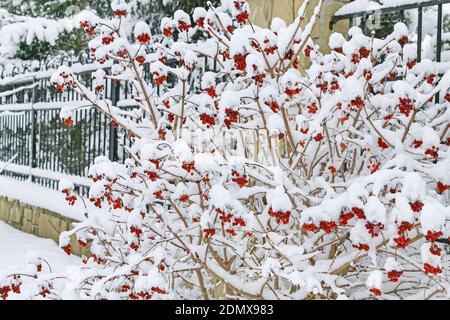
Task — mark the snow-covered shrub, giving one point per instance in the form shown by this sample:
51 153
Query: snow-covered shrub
269 181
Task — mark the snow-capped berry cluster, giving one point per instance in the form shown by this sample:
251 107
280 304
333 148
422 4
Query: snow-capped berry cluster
67 187
264 180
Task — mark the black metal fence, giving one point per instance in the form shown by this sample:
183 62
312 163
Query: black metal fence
34 143
401 8
388 8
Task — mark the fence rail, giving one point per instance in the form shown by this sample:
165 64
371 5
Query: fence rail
41 147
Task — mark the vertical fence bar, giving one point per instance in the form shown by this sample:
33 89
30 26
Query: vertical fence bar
113 138
419 34
439 34
33 131
439 41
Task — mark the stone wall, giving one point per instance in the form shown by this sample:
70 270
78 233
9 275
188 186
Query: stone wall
40 222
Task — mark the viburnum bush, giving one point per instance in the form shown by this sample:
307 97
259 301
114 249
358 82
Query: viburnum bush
269 180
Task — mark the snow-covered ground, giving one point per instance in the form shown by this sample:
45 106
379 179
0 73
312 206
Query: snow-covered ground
15 245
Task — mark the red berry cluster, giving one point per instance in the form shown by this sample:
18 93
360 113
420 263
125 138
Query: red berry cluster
292 91
308 50
96 201
345 217
447 96
411 63
382 144
269 49
183 198
158 78
441 187
374 228
334 85
374 167
432 236
242 17
120 12
323 86
280 216
71 198
403 40
359 213
367 74
327 226
207 120
356 103
90 30
361 246
45 291
188 166
209 232
394 275
375 291
232 117
167 32
405 106
200 22
241 180
211 91
273 105
259 79
309 227
228 218
402 241
5 290
417 143
431 270
318 137
68 122
183 26
108 38
312 108
240 61
143 38
141 60
432 152
416 206
67 249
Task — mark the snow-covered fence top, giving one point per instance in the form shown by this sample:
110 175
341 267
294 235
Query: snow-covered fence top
12 67
42 74
364 6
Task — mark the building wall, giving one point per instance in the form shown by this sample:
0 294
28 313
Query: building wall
263 11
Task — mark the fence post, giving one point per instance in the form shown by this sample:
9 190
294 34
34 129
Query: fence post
439 41
34 99
113 143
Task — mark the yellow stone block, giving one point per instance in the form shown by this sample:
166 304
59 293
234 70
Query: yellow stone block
5 205
16 213
48 226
